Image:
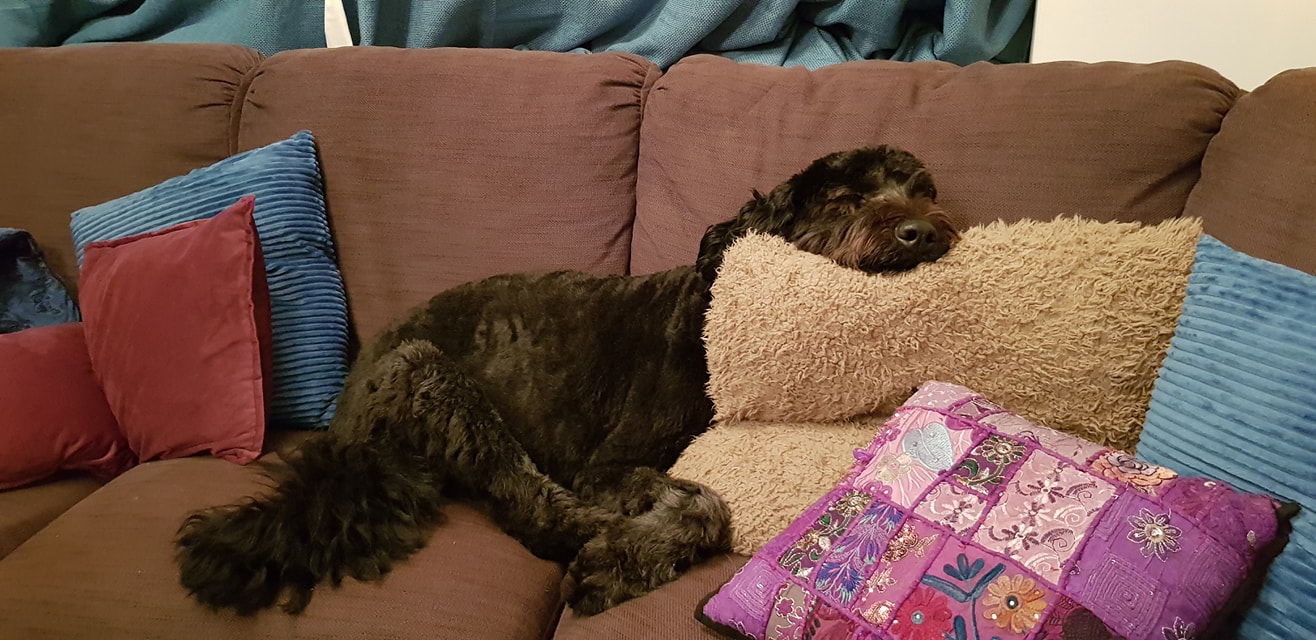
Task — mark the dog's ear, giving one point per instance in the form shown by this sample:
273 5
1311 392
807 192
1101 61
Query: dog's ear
771 214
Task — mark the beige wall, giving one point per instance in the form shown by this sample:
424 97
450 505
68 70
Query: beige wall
1246 41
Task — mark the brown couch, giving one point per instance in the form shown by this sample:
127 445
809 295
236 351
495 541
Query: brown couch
442 166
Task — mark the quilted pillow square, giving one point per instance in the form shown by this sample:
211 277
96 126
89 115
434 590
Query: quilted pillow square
308 303
53 416
177 325
962 520
1236 400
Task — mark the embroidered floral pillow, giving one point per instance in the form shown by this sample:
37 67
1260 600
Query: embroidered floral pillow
963 521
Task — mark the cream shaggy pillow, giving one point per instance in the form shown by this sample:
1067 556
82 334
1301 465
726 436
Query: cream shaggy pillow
769 473
1064 321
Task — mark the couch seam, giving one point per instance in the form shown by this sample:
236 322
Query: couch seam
651 75
239 101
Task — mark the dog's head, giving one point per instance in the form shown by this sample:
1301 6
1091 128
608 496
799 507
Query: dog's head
873 209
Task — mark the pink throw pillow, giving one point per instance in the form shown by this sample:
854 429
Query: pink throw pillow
53 416
962 520
178 329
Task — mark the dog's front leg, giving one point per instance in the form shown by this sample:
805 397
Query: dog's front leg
669 525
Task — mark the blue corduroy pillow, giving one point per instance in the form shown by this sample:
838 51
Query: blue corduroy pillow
308 305
1235 399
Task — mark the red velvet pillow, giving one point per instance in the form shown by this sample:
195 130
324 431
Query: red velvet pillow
178 329
53 416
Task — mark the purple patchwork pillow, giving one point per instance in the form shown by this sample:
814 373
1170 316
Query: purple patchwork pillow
964 521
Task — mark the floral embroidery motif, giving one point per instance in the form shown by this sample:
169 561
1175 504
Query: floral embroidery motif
987 464
907 541
1075 450
1155 533
1000 450
801 557
1122 467
826 623
953 506
881 581
843 571
1045 512
788 613
899 571
967 582
1014 602
919 450
1180 630
925 615
889 468
1216 506
879 613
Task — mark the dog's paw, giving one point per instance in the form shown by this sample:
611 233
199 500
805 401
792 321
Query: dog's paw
617 565
595 579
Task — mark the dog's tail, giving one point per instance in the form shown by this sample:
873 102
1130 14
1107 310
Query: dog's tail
338 508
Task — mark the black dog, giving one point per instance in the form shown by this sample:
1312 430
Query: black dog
558 400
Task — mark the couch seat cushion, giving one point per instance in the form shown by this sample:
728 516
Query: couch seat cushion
105 570
23 512
668 613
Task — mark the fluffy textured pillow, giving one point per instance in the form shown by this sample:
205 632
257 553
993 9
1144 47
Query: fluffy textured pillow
962 520
1236 400
1065 320
307 299
53 416
177 325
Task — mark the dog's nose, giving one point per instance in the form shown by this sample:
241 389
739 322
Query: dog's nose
916 233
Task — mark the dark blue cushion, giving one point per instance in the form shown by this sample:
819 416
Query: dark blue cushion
308 306
1236 400
31 295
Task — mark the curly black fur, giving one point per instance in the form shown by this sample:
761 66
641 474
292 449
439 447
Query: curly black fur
559 400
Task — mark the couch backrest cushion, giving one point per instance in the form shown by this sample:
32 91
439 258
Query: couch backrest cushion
82 125
1108 141
1258 188
448 165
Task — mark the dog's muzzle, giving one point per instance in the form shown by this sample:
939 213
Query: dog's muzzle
922 240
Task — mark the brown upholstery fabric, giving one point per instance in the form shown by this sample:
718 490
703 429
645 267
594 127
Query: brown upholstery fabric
444 166
82 125
23 512
104 570
1259 168
666 614
1108 141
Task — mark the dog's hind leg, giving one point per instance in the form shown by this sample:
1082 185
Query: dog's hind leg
464 433
670 525
355 500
